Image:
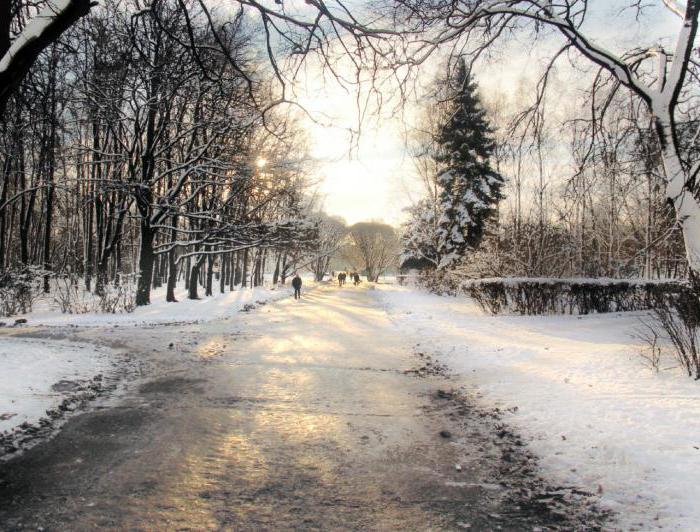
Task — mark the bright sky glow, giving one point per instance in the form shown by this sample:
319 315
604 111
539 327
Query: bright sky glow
365 177
367 182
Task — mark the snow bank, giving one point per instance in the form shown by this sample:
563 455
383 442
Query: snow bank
597 417
38 375
159 311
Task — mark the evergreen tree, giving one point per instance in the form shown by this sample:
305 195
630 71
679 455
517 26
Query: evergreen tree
419 235
469 187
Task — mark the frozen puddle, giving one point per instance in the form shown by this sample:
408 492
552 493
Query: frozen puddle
39 379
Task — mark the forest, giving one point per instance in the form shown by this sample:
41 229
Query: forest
141 148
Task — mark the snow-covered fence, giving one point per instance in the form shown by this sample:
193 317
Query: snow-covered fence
536 296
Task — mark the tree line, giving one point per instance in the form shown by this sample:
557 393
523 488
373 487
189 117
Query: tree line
141 143
582 196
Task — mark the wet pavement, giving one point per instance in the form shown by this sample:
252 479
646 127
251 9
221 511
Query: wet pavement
314 415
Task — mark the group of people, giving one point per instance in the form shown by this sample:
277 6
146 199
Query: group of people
354 276
342 277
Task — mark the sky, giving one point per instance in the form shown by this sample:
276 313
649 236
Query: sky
365 177
372 177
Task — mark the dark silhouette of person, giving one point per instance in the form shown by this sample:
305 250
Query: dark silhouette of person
341 278
296 284
356 278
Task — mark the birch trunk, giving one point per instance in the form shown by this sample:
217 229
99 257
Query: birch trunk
686 206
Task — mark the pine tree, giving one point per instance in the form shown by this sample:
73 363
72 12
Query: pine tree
469 187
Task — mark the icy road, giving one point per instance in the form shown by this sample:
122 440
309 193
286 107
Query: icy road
316 414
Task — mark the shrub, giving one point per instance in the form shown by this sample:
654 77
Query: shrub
19 289
71 297
675 306
538 296
678 315
120 297
651 352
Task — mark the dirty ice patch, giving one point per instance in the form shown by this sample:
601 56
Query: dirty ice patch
577 389
36 376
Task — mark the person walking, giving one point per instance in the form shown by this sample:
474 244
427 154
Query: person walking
296 284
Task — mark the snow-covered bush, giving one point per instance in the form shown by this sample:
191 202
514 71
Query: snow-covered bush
71 297
537 296
19 289
678 316
120 297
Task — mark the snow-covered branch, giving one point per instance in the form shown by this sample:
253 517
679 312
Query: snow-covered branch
42 30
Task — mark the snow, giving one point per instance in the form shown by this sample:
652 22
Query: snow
206 308
590 409
30 368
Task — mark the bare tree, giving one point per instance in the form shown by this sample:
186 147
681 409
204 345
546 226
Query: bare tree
331 231
462 23
377 245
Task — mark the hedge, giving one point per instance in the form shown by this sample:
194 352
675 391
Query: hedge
537 296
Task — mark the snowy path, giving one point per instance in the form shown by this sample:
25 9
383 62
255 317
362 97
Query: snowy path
298 415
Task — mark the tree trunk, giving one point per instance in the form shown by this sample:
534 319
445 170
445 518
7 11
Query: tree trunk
683 200
101 274
223 272
146 259
256 269
234 271
3 196
244 272
193 292
276 274
157 269
172 278
209 291
49 182
283 271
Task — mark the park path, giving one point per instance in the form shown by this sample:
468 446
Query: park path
311 414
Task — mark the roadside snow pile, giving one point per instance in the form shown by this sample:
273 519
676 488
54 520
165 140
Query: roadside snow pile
40 381
597 417
159 311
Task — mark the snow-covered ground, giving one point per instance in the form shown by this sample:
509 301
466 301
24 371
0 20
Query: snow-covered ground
37 375
218 306
594 413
